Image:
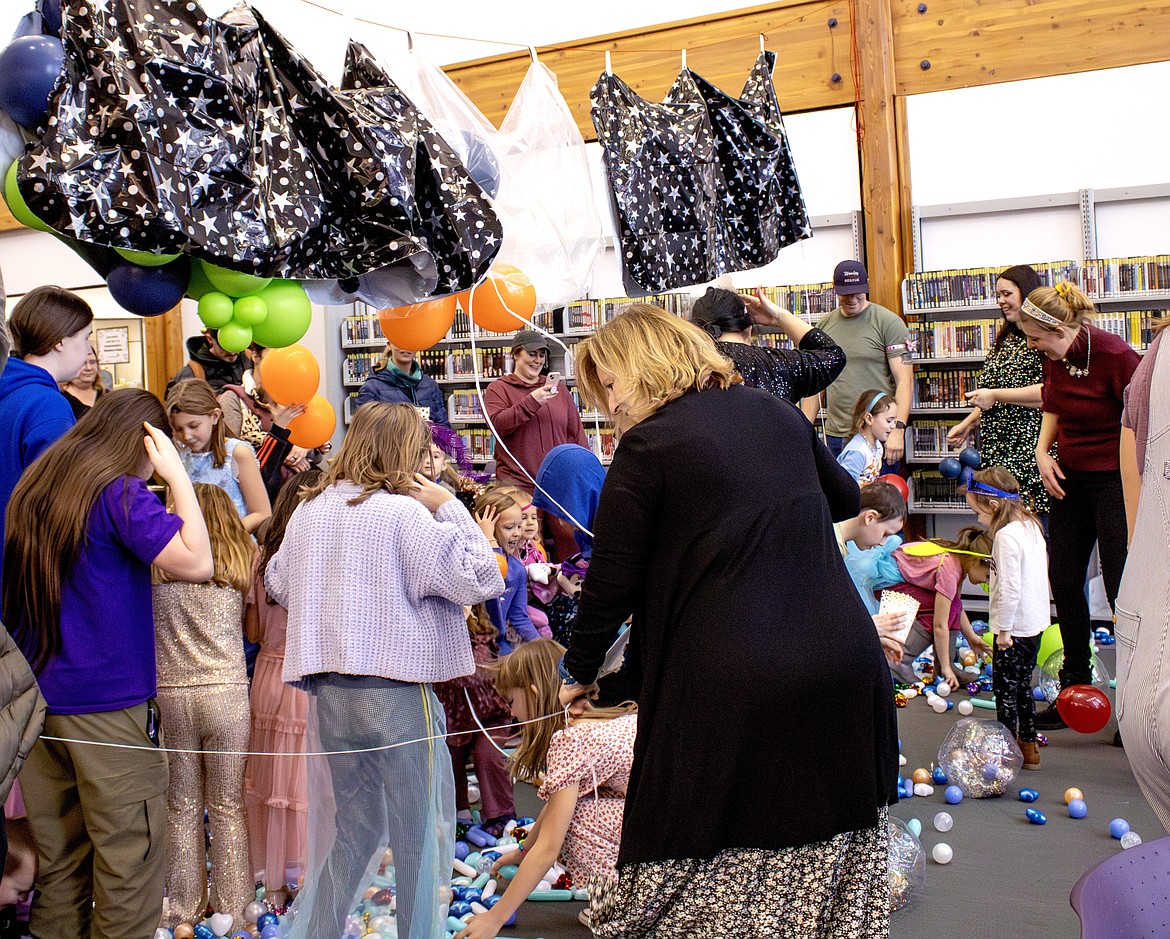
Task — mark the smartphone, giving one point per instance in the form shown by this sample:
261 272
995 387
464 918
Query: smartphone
553 380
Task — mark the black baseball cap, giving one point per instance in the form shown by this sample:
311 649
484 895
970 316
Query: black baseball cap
850 277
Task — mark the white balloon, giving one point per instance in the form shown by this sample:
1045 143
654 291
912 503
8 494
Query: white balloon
943 688
966 708
943 821
942 853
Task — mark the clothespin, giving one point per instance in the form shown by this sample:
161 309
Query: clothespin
608 67
684 59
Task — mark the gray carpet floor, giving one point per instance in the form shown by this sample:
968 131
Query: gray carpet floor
1009 878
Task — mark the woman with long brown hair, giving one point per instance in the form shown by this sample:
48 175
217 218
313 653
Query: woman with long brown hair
374 571
714 560
83 532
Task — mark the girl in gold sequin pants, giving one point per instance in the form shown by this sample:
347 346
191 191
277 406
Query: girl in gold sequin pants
203 695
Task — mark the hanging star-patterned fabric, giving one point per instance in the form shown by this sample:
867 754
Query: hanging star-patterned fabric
174 131
690 209
761 208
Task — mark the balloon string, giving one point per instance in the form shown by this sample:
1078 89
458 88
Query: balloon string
568 516
285 753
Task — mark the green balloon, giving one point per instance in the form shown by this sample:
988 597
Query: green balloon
234 336
199 284
146 258
251 311
215 310
289 313
16 204
233 283
1050 641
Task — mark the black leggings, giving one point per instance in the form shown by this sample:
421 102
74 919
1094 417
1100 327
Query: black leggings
1011 677
1092 511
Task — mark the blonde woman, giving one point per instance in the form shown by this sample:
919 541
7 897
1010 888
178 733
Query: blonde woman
374 570
83 391
1086 371
714 530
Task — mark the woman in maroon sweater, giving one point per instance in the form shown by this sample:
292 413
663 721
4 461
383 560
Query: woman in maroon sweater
1086 371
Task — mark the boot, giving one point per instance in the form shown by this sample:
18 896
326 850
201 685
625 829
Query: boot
1031 750
1050 719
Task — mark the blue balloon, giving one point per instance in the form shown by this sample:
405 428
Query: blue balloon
267 919
481 163
950 468
971 457
149 291
29 69
953 795
967 475
1077 808
1036 817
270 932
51 16
1028 795
1118 827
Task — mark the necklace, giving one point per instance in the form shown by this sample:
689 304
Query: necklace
1081 372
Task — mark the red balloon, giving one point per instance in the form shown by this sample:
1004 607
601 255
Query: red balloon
897 482
1084 708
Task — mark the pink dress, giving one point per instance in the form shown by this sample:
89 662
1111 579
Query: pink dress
594 756
275 788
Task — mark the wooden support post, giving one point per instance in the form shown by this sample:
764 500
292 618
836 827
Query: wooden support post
165 350
882 190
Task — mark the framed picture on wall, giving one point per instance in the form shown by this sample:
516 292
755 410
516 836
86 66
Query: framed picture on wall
112 345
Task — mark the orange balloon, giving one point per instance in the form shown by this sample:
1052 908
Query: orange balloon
315 426
290 375
504 302
419 325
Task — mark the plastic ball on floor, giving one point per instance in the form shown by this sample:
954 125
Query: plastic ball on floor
1077 808
943 821
921 775
953 795
1038 694
942 853
906 861
943 689
915 826
1036 817
922 789
267 919
938 776
269 932
184 931
1131 839
1072 792
938 705
966 708
162 933
1118 827
981 757
1028 795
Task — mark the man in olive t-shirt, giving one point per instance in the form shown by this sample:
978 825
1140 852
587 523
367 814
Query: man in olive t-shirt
878 357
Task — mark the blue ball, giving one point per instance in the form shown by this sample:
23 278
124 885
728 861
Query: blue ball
950 704
970 458
1030 795
950 468
270 932
460 908
491 901
29 68
1118 827
953 795
1036 817
966 476
938 776
990 771
1077 808
1038 693
462 849
267 919
472 894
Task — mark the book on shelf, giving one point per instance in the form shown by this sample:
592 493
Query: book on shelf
602 442
955 338
928 439
943 388
972 286
930 489
480 444
1104 277
1134 326
808 301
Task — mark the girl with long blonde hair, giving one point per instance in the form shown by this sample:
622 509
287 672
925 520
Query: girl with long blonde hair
581 762
203 692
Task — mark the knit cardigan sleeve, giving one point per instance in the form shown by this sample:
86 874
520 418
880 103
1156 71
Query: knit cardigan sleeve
459 565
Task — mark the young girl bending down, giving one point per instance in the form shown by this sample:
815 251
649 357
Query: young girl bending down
935 582
498 514
375 569
210 456
203 693
1019 611
873 419
275 787
467 740
582 770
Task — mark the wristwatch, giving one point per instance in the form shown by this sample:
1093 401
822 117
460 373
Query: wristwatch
899 425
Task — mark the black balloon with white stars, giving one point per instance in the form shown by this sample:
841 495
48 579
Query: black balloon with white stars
174 131
703 184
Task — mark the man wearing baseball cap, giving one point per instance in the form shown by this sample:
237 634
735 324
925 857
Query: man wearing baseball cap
531 415
877 356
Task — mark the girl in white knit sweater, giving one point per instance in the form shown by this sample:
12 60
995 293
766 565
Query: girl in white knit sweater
375 568
1018 611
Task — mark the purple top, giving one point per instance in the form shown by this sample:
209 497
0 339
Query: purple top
512 605
106 660
1136 415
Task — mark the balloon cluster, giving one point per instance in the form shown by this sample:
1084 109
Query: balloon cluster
271 312
291 376
980 757
962 467
502 302
1050 667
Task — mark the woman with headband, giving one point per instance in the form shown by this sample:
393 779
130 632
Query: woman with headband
1086 371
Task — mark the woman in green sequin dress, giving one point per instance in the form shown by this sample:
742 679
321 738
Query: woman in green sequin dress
1007 401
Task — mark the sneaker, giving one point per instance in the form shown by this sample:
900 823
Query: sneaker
1050 719
1031 751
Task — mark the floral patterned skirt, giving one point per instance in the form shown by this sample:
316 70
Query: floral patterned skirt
835 889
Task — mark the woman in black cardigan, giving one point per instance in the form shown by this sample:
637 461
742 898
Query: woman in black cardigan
714 530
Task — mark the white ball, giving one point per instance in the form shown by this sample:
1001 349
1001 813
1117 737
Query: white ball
938 705
910 693
943 689
943 821
1131 839
472 793
901 760
966 708
923 789
942 853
